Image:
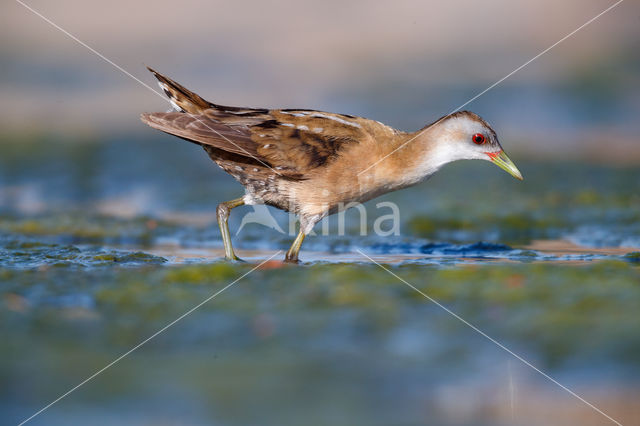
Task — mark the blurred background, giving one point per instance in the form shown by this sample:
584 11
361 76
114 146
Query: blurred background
405 64
107 227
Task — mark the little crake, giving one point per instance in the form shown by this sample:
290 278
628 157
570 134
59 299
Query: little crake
315 163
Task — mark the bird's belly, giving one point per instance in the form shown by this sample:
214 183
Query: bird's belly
323 199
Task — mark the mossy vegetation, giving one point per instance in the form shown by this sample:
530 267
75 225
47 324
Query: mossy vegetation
79 286
555 312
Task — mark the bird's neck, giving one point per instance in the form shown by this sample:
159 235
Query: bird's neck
424 153
404 161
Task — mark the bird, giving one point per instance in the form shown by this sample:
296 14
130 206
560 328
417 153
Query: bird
315 163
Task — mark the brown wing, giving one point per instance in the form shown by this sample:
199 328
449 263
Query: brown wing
290 141
204 131
298 141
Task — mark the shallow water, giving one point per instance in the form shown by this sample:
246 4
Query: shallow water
104 243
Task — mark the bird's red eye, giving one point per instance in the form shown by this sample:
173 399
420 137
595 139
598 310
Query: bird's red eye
478 138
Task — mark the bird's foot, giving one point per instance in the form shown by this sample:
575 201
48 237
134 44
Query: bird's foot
292 260
234 259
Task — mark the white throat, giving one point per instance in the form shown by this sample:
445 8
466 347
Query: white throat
446 144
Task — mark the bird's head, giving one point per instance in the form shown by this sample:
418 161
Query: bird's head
465 136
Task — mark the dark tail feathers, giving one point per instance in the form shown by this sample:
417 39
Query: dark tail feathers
180 97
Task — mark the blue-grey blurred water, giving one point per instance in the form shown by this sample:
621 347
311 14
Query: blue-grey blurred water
104 242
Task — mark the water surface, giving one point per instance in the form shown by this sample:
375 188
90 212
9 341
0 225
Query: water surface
103 243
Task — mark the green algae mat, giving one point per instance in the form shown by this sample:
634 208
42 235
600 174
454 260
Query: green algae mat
100 249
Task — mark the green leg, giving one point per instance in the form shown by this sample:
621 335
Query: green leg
292 254
223 211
